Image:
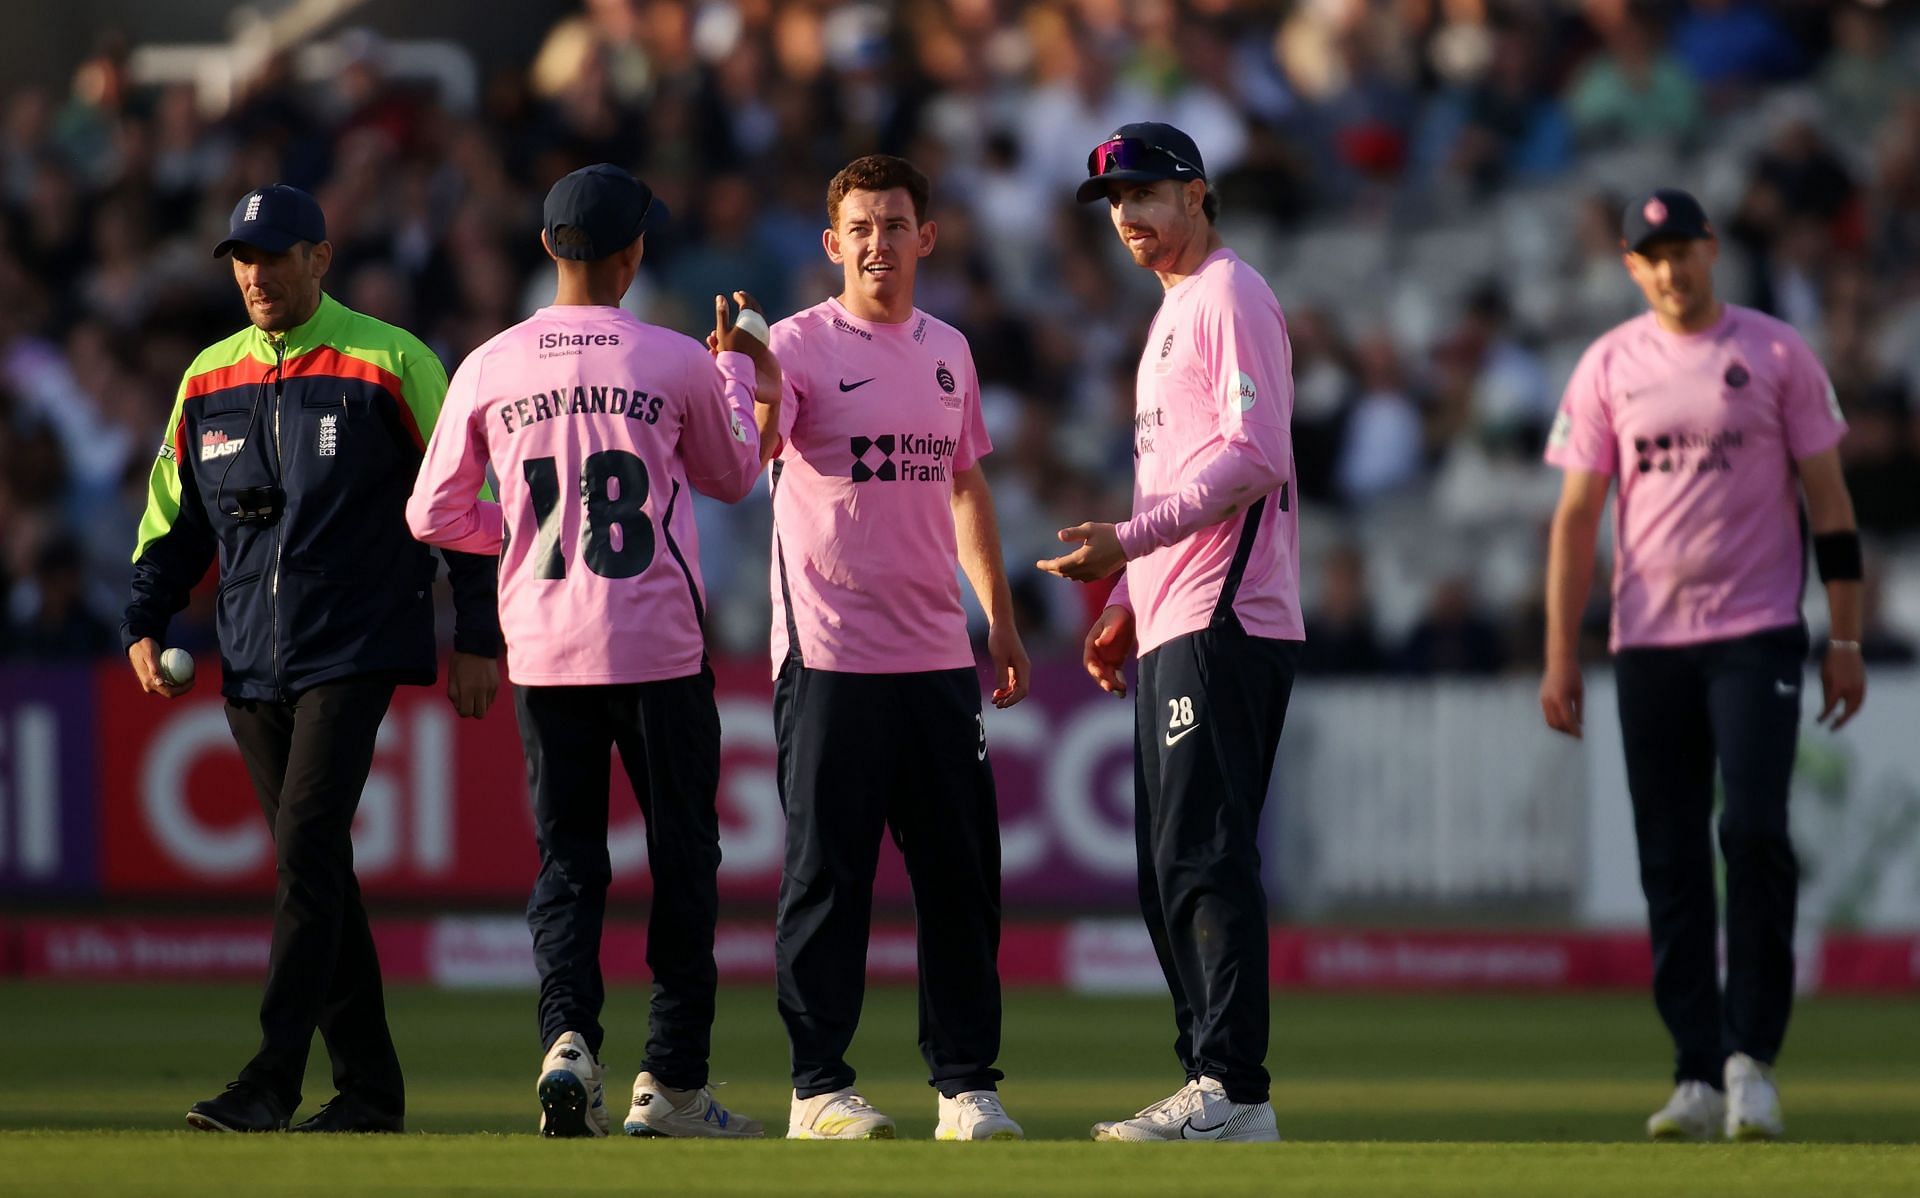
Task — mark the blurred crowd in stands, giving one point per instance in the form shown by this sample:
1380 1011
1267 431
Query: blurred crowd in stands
1433 187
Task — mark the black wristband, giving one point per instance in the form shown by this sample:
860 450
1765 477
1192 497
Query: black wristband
1837 556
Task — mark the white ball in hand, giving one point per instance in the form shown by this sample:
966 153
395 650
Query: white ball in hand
176 667
753 324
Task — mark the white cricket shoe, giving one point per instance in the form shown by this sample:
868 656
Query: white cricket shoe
975 1115
1199 1110
658 1111
1695 1112
573 1103
1753 1105
839 1115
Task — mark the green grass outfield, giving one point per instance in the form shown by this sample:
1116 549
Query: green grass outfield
1376 1096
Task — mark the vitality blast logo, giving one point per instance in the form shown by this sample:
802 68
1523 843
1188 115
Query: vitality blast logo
216 444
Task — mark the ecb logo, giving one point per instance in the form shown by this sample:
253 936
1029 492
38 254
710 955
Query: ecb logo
885 471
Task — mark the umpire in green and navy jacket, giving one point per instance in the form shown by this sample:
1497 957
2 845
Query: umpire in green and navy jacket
289 456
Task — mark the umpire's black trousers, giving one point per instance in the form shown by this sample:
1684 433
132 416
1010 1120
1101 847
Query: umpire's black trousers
308 759
859 754
1207 722
668 734
1737 701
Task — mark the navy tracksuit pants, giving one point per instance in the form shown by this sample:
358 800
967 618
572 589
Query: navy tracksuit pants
1207 722
668 734
861 755
309 759
1682 710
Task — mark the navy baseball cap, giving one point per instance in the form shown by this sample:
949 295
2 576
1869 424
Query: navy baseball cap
607 204
1142 152
274 219
1668 213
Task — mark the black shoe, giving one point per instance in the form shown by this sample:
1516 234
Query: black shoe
346 1113
242 1107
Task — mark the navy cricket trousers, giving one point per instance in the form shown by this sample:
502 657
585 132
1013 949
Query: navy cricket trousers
308 759
860 755
668 734
1735 702
1207 722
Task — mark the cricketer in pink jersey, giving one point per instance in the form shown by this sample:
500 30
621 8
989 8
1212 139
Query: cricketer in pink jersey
1211 595
878 500
1713 420
599 428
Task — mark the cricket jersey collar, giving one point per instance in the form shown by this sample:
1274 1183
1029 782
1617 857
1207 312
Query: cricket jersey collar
319 329
882 327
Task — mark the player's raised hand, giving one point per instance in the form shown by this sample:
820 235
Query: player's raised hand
1563 698
1108 643
1099 553
1843 683
1011 668
731 336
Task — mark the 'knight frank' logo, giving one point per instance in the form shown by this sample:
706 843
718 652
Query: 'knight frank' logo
943 376
216 444
885 472
903 457
1687 452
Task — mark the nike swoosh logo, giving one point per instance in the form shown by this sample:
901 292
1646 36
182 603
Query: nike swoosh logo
846 386
1173 740
1188 1125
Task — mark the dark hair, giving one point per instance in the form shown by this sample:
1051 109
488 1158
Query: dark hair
879 172
571 237
1210 207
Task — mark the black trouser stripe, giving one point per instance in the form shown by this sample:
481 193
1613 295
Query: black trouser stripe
673 547
1242 552
1806 547
780 560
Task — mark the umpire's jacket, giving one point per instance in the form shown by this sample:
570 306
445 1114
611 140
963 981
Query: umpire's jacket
292 457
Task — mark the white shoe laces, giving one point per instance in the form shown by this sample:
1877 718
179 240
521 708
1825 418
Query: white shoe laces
1177 1105
983 1102
846 1104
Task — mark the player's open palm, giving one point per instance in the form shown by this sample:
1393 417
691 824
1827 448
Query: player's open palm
1843 685
1108 643
1563 698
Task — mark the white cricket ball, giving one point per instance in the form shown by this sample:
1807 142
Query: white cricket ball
752 323
176 667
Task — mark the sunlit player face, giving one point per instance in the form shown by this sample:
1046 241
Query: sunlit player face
1676 276
1156 221
878 244
281 290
